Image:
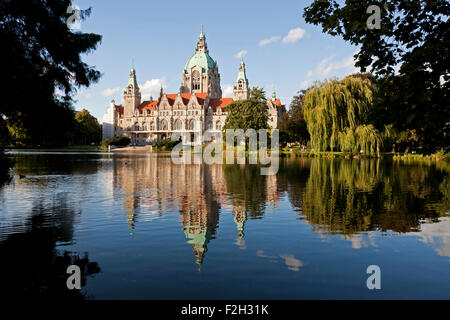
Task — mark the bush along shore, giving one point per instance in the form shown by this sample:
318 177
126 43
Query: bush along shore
295 152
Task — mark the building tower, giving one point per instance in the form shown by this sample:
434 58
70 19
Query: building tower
240 89
131 95
201 73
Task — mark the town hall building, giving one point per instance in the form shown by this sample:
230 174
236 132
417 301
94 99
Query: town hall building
198 106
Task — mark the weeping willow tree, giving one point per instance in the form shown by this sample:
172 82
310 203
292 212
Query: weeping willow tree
336 115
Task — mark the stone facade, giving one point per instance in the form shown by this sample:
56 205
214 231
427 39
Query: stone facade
198 107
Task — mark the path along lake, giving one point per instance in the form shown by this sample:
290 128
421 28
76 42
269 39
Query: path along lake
141 227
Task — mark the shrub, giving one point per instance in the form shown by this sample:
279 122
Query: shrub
166 144
119 141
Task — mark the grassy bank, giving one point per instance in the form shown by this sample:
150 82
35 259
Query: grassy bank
295 152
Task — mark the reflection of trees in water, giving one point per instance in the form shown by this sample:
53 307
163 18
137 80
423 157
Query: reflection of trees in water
334 195
32 266
346 196
247 188
42 164
292 178
5 166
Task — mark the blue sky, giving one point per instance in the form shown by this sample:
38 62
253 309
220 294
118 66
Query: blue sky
160 36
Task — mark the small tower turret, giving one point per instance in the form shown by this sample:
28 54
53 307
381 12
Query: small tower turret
240 89
131 95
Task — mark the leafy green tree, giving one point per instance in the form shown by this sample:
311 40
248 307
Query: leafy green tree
41 67
336 113
88 129
18 134
293 122
248 114
414 37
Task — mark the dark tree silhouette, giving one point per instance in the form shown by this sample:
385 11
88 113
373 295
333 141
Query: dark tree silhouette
41 67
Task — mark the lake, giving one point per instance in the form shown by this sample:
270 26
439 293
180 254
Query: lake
141 227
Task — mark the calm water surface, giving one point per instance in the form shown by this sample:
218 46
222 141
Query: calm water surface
141 227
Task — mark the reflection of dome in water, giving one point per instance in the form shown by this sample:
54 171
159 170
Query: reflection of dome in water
199 237
240 228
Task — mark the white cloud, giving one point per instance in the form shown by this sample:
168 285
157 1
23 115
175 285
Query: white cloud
292 263
110 91
241 54
294 35
89 95
305 83
326 66
151 88
264 42
227 91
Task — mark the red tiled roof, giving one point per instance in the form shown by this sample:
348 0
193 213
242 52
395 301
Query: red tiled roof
278 104
186 97
171 98
214 103
148 105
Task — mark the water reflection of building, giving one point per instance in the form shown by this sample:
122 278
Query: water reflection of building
155 184
199 207
331 195
240 216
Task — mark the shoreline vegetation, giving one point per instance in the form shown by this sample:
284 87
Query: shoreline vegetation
284 152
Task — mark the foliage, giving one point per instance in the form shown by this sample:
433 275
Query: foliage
336 116
248 189
118 141
350 196
42 68
292 124
166 144
88 129
248 114
414 39
18 133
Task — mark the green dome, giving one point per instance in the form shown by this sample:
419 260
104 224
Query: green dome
199 59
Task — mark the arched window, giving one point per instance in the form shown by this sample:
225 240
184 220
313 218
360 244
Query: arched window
191 124
178 125
144 126
209 125
196 80
240 84
136 126
152 126
218 125
163 125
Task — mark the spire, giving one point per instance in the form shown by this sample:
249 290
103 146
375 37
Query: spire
274 96
242 73
201 44
240 91
132 80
